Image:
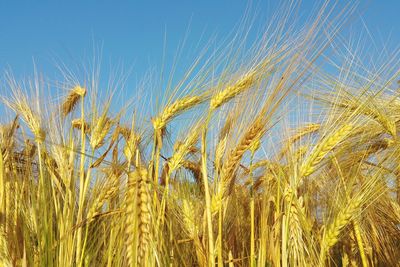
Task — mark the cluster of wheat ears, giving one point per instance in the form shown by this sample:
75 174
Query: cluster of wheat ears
273 162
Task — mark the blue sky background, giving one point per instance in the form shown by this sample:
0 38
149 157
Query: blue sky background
133 32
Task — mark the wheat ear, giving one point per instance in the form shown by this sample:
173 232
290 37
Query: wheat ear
32 119
106 194
100 130
323 148
252 135
306 130
246 82
331 235
72 100
138 179
177 158
78 124
173 110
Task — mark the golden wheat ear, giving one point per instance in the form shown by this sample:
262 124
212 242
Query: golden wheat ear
176 108
79 124
246 82
72 100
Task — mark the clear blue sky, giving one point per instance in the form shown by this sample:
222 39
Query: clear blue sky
132 32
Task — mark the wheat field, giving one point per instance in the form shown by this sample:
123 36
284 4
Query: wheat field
257 156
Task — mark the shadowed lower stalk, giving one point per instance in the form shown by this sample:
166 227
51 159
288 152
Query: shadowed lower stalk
357 233
211 261
2 186
252 217
81 183
219 238
161 217
43 199
356 227
86 184
155 160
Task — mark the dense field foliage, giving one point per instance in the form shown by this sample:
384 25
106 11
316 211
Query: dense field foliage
257 157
